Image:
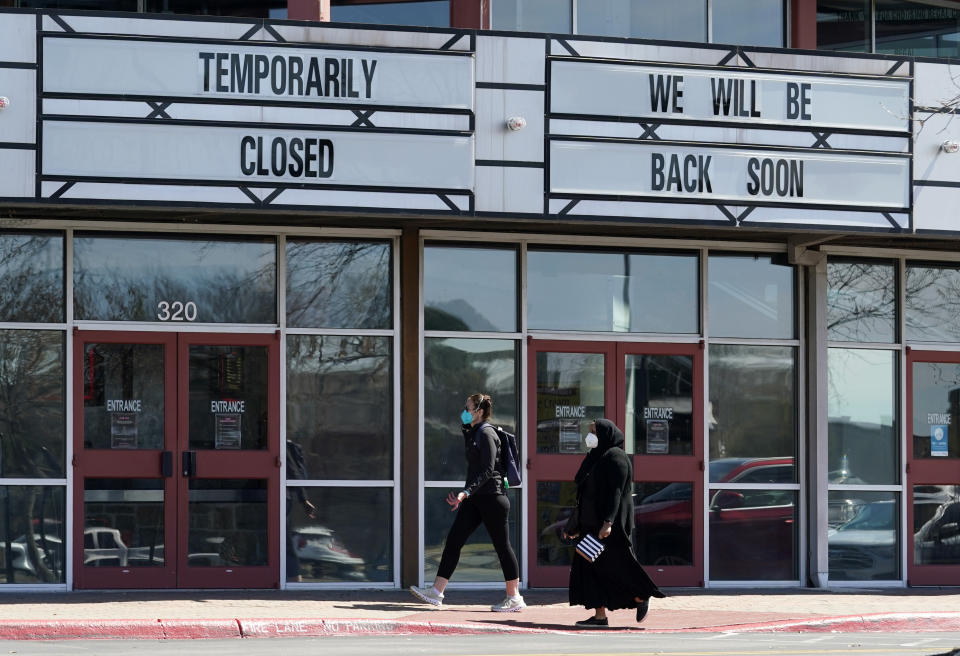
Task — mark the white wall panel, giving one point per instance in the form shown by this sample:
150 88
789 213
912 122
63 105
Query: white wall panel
18 122
936 208
826 63
494 140
165 193
642 52
203 29
935 84
773 215
511 60
654 211
18 38
509 189
930 162
371 37
18 167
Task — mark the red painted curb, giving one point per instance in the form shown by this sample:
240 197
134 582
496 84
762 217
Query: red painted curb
81 629
257 628
876 622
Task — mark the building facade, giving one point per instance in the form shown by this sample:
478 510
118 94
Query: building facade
251 268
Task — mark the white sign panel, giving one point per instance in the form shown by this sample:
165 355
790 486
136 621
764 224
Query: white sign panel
600 89
256 72
737 175
244 155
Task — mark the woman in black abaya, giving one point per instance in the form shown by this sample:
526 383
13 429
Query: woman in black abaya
605 510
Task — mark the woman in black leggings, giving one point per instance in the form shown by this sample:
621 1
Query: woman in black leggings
481 501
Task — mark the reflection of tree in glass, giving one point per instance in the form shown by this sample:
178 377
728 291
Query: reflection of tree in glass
340 403
933 304
861 301
31 276
31 404
126 279
339 284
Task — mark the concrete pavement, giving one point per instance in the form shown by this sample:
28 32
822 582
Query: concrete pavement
258 613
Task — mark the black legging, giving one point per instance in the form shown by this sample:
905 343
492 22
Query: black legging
493 510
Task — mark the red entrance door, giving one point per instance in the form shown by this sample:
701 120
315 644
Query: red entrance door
176 443
653 392
933 468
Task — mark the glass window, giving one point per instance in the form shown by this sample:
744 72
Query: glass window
533 15
753 535
339 404
32 409
134 278
569 290
936 406
570 395
32 523
659 404
123 396
478 560
932 304
751 296
862 437
843 25
98 5
752 413
469 289
664 523
228 397
349 538
339 284
429 13
454 369
675 20
31 277
936 524
556 502
252 8
866 546
748 22
227 522
920 29
861 302
123 522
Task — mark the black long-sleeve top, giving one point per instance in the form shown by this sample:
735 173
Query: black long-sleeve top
608 495
481 445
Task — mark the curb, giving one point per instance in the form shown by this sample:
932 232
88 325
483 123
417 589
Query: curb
180 629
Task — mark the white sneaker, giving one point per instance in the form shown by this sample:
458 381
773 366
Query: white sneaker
427 595
509 605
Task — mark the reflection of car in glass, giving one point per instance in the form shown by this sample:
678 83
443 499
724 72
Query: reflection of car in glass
865 548
104 547
938 540
317 545
740 520
49 550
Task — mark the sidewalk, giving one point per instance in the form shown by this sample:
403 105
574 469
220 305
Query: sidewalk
238 614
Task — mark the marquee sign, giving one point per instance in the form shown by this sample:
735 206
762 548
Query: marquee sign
249 71
755 97
736 175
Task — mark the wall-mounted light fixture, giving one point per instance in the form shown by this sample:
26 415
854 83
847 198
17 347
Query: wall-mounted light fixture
4 102
515 123
950 146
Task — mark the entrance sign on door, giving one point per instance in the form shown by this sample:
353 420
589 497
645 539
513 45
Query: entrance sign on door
938 440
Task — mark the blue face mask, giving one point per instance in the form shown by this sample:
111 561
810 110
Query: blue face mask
466 417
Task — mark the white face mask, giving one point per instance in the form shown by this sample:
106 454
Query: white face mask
591 441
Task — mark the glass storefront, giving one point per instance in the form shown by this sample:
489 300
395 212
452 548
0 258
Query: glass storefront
920 28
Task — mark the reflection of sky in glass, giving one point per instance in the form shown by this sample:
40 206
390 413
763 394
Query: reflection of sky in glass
861 303
432 13
750 297
470 289
861 386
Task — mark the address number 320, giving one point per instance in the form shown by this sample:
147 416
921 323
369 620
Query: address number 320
176 311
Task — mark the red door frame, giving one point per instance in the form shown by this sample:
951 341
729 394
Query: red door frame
944 471
263 464
558 467
105 463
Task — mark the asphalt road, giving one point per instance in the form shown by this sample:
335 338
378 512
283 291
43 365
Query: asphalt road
592 644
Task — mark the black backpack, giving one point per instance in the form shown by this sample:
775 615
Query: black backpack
508 459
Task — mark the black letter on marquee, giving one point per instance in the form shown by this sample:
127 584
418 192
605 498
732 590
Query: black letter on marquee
296 147
753 187
241 78
261 71
332 70
326 163
206 57
245 143
656 171
368 74
222 72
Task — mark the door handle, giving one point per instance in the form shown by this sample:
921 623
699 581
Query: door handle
166 463
189 461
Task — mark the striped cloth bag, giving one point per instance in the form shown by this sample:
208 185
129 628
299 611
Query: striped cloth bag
590 547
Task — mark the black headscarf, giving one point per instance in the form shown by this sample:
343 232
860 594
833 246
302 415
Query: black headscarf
608 436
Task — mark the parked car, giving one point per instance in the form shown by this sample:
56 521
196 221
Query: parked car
317 546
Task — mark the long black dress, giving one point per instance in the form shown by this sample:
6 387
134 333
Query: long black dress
604 491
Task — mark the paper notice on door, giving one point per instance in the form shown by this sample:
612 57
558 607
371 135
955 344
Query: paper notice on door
658 436
123 430
938 440
227 431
